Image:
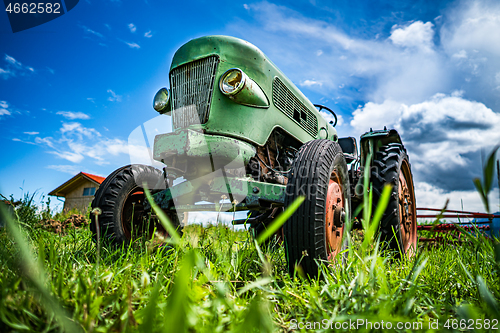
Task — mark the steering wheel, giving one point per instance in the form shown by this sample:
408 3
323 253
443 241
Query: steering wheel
321 107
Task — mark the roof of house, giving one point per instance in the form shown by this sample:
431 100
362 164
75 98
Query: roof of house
97 179
74 182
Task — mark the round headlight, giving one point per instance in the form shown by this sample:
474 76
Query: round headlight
232 81
160 102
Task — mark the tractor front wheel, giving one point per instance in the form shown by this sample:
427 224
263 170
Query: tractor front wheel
316 229
121 199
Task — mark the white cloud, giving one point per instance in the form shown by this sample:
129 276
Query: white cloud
148 34
73 115
132 27
246 6
70 156
4 73
373 115
4 108
444 135
77 144
133 45
13 68
76 129
12 61
417 35
430 196
462 54
309 83
329 117
45 141
114 97
70 169
32 133
89 31
473 26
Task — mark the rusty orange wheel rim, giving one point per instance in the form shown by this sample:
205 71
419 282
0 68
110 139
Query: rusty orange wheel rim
407 210
334 215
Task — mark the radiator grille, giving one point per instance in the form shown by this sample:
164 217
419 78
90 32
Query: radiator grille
192 85
290 105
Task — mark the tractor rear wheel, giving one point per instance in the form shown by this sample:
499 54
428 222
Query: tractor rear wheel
316 229
398 226
121 199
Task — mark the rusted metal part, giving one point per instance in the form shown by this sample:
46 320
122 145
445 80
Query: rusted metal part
482 222
445 227
334 215
451 229
459 214
407 211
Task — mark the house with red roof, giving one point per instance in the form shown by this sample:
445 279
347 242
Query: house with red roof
79 191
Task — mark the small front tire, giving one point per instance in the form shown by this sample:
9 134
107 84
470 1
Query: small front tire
121 199
316 231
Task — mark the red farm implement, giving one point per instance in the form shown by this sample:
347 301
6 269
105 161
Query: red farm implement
457 223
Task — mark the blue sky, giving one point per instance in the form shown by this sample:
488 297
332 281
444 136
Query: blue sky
73 90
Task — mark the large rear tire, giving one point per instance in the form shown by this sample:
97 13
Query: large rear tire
398 227
121 199
316 229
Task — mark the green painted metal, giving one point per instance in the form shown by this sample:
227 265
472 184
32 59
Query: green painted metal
193 144
370 143
253 190
254 193
229 118
250 94
236 125
372 140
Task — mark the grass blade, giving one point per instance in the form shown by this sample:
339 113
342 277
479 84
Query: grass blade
35 273
280 220
164 220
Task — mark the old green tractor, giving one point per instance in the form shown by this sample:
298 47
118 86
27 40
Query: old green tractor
245 138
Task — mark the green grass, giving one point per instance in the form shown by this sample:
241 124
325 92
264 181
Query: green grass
216 280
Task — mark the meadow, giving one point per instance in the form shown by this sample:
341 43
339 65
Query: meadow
216 279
